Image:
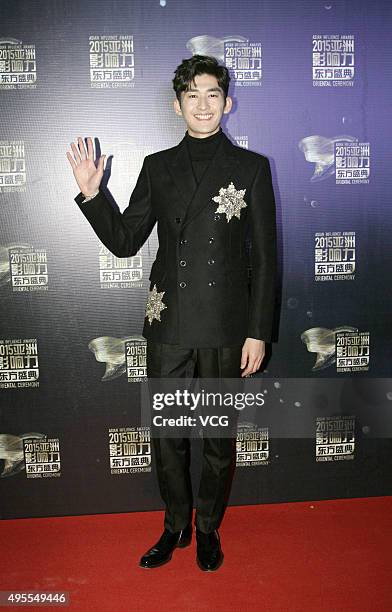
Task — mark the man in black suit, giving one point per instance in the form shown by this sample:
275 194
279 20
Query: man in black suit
208 197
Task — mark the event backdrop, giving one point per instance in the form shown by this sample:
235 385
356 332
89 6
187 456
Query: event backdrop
312 91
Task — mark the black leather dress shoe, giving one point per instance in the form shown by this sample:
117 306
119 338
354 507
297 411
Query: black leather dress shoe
209 553
162 551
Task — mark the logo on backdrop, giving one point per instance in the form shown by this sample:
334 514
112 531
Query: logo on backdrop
136 359
252 445
42 457
335 438
119 272
334 256
121 355
344 345
112 61
129 450
18 67
242 141
352 351
341 156
352 163
19 363
12 166
243 59
241 56
333 60
27 268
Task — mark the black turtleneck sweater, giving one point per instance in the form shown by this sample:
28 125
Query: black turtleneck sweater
201 151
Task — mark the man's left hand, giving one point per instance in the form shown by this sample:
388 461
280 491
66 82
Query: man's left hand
253 352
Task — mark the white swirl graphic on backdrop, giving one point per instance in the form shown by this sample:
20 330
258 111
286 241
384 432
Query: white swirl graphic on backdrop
322 341
321 151
210 45
10 41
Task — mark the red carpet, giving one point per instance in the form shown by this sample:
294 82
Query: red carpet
330 555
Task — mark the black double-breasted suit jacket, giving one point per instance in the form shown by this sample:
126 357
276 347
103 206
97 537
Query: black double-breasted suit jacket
200 294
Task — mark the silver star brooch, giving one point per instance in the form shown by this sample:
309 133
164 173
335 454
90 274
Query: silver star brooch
230 201
154 304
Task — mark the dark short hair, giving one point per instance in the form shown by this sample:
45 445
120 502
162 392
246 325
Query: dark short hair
185 73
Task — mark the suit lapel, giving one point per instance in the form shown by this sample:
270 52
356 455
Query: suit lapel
218 174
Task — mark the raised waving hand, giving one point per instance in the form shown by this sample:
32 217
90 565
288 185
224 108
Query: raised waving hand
87 175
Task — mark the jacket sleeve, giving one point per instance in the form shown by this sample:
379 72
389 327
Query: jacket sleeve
122 233
263 256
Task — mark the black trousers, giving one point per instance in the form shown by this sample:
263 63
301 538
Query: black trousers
172 455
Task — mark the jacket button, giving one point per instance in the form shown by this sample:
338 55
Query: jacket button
182 262
210 240
211 261
211 284
216 217
182 284
183 241
178 219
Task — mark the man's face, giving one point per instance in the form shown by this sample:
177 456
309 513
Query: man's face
202 106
